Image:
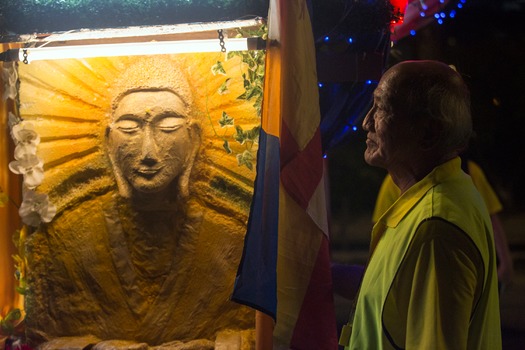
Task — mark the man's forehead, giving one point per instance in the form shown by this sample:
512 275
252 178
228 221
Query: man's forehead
378 92
388 84
381 93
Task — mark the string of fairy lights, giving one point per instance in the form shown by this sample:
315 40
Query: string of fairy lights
422 13
438 13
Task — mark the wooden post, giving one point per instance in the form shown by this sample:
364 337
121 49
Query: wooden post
263 331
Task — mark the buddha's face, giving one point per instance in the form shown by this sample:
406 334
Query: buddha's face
150 139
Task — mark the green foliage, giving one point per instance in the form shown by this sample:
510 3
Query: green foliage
225 120
218 68
12 323
245 159
242 136
223 89
226 146
255 60
3 198
19 239
8 323
253 82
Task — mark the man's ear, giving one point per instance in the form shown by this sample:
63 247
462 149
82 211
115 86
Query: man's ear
431 134
196 140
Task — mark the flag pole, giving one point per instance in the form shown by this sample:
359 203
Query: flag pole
263 331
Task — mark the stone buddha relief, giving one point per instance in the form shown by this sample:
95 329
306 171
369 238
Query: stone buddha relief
151 210
152 138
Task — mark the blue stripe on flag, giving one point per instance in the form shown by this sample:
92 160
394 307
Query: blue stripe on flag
256 281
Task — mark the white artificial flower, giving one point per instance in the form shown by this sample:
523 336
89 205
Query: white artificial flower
26 139
12 120
10 78
31 167
36 208
25 132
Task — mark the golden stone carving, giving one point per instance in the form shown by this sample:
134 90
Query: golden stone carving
151 209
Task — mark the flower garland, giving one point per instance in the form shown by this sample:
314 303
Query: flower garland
35 207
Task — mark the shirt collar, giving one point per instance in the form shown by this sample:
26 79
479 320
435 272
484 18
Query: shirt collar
408 200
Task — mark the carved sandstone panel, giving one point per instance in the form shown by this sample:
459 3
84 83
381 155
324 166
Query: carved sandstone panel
151 208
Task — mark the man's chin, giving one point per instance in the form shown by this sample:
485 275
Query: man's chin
369 157
372 160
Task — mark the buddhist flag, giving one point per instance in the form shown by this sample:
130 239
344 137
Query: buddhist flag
285 268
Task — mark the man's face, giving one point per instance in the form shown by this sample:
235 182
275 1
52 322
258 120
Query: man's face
390 138
150 139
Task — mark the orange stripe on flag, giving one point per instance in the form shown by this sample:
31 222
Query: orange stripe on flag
272 91
300 109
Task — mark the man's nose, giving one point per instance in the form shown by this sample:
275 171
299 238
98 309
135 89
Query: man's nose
368 122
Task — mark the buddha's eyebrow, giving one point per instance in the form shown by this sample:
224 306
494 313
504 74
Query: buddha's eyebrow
127 116
171 113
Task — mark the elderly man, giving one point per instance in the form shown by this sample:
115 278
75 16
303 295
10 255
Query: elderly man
431 279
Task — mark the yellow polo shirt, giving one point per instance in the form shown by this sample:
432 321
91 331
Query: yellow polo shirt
431 281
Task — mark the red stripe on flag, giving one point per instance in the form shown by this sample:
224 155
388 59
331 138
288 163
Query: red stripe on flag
315 319
301 171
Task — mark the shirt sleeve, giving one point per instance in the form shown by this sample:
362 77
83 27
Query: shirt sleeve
436 289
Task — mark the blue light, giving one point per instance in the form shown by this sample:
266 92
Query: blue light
460 6
436 15
412 32
452 14
442 15
463 1
320 85
325 156
440 21
350 40
422 14
442 1
424 7
327 38
354 128
368 82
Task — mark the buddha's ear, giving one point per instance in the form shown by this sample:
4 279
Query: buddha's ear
184 178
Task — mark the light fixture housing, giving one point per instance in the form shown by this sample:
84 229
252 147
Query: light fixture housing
185 38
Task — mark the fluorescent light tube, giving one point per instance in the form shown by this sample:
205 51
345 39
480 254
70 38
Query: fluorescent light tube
28 55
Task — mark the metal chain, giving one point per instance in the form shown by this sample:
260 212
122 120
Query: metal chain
221 41
24 54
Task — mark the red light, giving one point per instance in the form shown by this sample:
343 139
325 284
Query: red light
399 10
